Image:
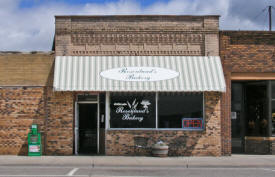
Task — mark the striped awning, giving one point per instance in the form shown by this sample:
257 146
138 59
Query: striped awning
139 73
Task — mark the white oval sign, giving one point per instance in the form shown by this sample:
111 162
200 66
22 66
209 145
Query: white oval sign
139 74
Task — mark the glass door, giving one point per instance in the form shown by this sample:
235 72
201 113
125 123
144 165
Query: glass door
237 118
87 124
256 108
87 129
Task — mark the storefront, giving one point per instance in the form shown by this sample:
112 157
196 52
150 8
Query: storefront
133 96
248 62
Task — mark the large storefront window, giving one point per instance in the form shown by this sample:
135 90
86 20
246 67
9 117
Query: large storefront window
273 107
133 110
180 110
173 110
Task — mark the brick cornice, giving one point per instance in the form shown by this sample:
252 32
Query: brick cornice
138 38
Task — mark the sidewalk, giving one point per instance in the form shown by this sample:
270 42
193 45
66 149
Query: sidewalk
234 161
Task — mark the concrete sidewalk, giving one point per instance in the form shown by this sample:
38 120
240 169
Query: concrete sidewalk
98 161
234 161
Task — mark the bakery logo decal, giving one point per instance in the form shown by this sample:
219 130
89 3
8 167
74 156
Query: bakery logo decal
139 74
129 110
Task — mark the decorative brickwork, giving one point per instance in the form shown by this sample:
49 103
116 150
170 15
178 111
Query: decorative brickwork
137 35
181 143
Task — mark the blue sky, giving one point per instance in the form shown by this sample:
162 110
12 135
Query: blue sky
28 25
31 3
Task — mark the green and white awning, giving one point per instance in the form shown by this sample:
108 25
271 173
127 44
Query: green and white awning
139 73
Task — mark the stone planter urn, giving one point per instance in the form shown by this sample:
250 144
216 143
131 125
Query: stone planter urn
160 149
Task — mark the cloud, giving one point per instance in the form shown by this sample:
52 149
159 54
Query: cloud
32 28
122 7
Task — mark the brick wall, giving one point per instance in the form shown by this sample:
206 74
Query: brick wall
35 103
243 52
19 108
25 69
59 123
248 51
181 143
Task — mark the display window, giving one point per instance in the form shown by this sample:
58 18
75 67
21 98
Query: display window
273 107
135 110
157 110
180 110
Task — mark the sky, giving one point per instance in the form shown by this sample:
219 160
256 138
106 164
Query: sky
28 25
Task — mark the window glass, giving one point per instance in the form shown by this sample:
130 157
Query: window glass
273 89
236 108
177 110
273 107
102 110
237 90
87 97
256 109
273 117
132 110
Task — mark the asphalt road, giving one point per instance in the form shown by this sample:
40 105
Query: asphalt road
86 171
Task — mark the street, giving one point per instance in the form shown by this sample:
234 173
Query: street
135 166
82 171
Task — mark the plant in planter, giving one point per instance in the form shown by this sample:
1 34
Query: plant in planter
160 149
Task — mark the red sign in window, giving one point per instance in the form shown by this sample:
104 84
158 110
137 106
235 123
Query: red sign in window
192 123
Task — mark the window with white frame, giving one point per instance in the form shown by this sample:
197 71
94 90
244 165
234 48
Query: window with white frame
177 110
157 110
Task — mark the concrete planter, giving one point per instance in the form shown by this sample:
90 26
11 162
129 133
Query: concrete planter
160 150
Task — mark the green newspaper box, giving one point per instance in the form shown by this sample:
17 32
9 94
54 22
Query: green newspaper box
34 142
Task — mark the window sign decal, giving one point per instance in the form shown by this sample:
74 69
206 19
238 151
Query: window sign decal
139 74
132 111
192 123
233 115
129 110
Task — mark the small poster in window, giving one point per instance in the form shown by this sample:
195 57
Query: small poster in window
233 115
192 123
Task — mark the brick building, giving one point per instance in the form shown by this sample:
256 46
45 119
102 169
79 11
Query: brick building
249 68
116 85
